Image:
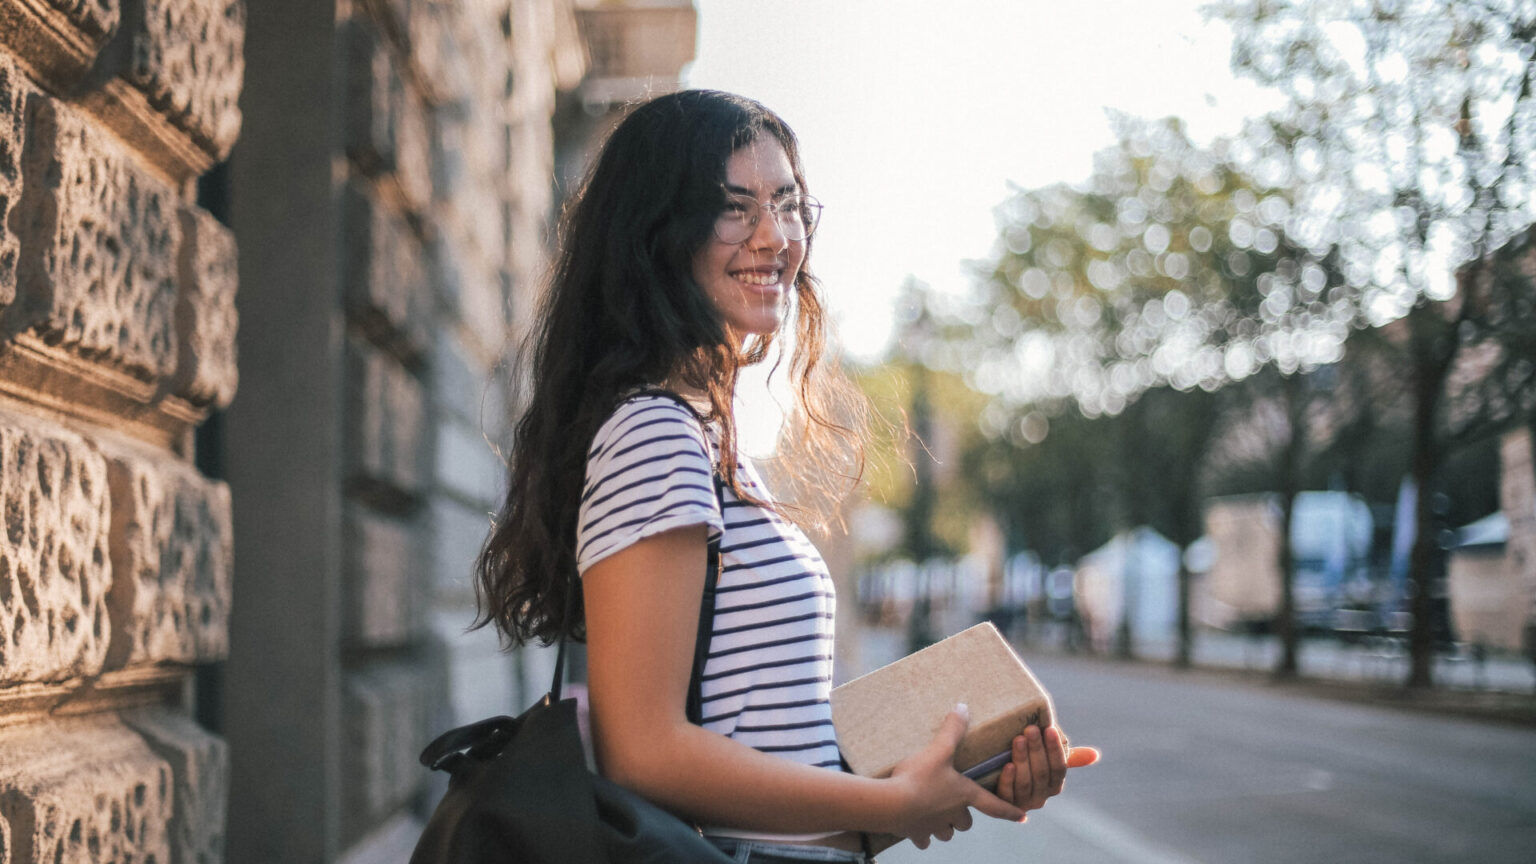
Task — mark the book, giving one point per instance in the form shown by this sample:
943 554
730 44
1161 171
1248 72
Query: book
888 714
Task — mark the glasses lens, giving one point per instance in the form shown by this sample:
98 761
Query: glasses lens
797 216
809 211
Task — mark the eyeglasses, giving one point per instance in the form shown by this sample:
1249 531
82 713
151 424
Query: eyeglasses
797 216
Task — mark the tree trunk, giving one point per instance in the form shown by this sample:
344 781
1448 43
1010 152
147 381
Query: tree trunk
1432 352
1290 484
1186 639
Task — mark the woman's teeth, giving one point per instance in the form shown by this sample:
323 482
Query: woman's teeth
753 277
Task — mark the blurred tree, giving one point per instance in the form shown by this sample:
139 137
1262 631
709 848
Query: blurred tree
1411 124
1169 274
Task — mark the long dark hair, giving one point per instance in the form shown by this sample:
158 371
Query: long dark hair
622 311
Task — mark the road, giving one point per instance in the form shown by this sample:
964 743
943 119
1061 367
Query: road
1201 770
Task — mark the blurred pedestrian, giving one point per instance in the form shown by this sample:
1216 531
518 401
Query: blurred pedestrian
681 260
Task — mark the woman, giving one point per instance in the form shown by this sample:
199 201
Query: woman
681 261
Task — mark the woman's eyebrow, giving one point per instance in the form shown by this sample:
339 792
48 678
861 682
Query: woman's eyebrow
787 189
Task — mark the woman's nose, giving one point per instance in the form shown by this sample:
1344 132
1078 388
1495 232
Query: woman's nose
768 233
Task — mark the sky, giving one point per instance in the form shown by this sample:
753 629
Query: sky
914 116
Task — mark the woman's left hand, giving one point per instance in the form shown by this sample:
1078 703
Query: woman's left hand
1039 767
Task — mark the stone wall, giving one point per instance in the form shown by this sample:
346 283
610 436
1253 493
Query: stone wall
117 339
392 194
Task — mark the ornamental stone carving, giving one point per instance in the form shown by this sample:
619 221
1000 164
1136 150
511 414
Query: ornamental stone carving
99 240
55 572
206 319
83 790
171 548
187 59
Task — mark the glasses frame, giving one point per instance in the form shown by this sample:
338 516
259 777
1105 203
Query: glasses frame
808 205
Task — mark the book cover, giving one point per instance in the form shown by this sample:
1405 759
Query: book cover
891 713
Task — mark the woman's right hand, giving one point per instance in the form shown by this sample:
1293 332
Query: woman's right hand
937 798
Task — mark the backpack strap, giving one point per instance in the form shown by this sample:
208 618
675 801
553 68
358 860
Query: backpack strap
695 704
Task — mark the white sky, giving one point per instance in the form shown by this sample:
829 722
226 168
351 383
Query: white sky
913 115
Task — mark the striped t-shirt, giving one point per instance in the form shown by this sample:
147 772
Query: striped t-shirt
769 672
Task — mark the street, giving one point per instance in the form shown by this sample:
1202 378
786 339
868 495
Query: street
1202 769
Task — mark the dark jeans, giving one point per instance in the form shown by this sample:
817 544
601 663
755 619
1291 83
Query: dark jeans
760 852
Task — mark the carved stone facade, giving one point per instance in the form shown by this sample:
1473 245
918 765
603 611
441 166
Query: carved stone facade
392 192
229 621
117 339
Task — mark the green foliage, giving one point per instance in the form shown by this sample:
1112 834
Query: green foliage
894 453
1171 266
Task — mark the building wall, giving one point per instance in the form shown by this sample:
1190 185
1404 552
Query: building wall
1517 498
117 339
393 190
228 625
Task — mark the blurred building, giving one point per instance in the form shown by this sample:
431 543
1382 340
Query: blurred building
1491 574
256 603
1330 541
1130 587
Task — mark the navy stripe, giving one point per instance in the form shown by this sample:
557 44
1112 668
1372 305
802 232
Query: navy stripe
680 469
773 664
626 418
747 709
618 471
678 436
835 763
761 541
766 603
758 625
644 520
798 682
781 727
750 523
726 589
758 646
595 516
792 748
748 565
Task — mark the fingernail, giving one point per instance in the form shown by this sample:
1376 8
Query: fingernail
963 710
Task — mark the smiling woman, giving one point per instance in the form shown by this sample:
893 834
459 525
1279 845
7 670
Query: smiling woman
748 266
626 481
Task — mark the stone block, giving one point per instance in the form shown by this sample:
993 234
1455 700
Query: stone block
199 765
413 148
386 420
188 59
172 555
385 720
96 18
80 792
99 241
371 81
15 89
58 39
206 319
387 288
383 586
55 573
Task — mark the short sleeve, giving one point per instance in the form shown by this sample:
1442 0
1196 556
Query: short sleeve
648 471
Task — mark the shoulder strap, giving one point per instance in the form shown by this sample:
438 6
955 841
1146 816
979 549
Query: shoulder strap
695 703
